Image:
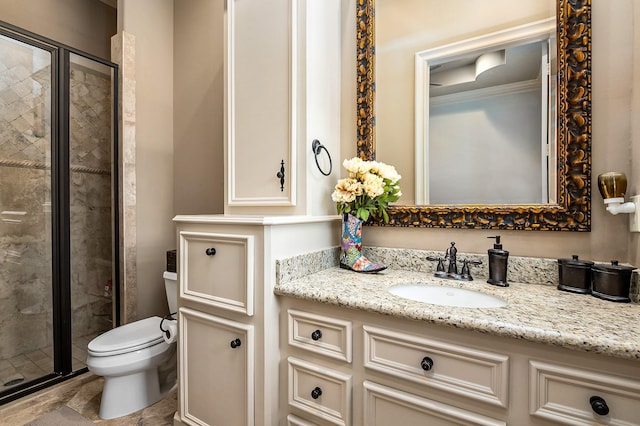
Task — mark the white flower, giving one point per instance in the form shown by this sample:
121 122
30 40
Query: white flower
388 172
346 190
352 166
373 185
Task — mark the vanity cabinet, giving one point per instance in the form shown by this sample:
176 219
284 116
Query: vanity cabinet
411 372
317 390
228 355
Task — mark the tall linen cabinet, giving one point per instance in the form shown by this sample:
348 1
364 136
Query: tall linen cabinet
282 91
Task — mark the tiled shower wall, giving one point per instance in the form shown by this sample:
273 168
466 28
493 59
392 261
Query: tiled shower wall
25 222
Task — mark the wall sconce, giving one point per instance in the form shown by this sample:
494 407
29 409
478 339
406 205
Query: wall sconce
612 186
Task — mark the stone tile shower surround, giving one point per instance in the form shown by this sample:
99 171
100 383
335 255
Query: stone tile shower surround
25 173
526 270
91 224
123 52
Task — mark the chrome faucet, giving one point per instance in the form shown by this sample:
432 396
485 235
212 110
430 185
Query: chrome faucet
451 255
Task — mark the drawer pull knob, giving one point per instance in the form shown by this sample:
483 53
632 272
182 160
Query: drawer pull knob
210 251
316 392
316 335
426 363
599 405
235 343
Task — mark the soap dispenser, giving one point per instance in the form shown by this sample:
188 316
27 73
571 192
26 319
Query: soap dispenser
498 264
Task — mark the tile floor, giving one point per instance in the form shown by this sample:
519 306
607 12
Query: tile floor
83 394
25 367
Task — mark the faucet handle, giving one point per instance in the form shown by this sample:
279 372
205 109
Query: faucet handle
466 273
440 267
465 268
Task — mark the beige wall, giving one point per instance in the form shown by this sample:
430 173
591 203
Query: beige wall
198 101
612 81
86 25
151 23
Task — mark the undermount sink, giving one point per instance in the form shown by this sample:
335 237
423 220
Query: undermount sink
447 296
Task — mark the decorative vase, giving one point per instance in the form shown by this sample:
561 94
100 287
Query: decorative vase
351 247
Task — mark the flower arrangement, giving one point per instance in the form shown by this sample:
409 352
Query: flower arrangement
368 189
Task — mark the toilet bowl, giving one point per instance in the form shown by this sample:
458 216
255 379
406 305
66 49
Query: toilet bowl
130 358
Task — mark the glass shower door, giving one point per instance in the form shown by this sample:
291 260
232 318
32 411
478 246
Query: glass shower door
90 194
26 352
58 209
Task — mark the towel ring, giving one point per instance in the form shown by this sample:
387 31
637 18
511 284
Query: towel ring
317 148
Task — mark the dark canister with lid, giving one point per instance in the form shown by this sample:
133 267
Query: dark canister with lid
612 282
574 275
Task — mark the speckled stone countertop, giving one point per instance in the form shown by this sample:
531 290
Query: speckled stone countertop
535 312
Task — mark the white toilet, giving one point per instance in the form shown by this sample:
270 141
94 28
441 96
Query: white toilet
130 358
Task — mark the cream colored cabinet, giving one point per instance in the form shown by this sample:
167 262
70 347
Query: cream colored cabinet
228 341
321 340
384 405
318 388
320 391
216 347
577 396
413 373
282 92
217 370
258 111
475 375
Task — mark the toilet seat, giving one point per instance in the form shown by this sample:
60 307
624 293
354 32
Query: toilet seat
127 338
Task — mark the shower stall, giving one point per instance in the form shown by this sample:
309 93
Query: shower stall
58 209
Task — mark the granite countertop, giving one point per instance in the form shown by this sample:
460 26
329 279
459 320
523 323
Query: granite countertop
536 313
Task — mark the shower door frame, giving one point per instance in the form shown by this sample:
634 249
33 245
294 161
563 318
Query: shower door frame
60 207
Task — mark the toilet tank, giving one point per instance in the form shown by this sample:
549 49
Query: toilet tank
171 287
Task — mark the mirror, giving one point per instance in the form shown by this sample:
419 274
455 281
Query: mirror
567 203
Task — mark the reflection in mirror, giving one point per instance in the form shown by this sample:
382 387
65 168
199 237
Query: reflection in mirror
502 87
562 198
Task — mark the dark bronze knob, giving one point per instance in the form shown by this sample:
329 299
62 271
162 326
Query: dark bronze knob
316 392
235 343
316 335
280 175
426 363
210 251
599 405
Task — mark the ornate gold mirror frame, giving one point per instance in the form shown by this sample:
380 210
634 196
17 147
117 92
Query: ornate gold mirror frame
573 209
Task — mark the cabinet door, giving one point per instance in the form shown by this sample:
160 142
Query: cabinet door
259 116
216 370
387 406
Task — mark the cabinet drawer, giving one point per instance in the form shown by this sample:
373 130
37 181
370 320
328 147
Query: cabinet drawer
217 270
320 391
564 394
387 406
320 334
475 374
297 421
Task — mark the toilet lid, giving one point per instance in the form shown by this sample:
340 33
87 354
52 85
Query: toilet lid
127 338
